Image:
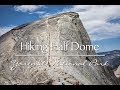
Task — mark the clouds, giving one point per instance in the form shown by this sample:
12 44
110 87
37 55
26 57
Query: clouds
28 8
100 21
5 29
96 20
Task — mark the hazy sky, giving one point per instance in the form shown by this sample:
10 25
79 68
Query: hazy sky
102 22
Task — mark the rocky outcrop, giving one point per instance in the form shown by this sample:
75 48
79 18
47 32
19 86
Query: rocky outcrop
117 72
46 66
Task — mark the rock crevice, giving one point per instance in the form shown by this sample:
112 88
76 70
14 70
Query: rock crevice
43 68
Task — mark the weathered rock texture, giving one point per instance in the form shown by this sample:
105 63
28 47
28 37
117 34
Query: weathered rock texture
117 72
56 29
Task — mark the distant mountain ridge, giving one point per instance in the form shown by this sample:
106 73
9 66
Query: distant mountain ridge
113 58
18 68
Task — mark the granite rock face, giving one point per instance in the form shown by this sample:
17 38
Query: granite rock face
117 72
46 67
